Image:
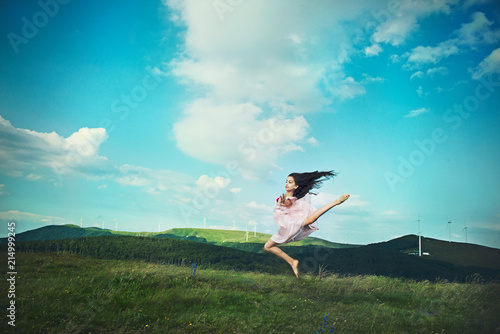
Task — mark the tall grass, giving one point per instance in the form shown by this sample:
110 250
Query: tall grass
63 293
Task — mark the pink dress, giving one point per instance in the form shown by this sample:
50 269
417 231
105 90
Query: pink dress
289 221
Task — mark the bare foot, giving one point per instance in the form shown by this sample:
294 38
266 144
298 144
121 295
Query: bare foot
343 198
295 267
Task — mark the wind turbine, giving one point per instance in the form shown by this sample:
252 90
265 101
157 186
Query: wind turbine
449 230
465 228
255 231
159 227
246 234
419 238
116 228
81 222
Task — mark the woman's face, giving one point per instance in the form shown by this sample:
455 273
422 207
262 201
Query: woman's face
290 184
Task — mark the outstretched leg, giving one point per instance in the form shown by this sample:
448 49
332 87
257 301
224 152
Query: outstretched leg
270 246
318 213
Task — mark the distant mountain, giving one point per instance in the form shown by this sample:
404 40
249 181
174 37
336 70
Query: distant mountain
225 237
460 254
456 254
347 261
229 238
55 232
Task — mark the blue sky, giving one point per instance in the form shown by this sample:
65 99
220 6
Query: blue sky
147 115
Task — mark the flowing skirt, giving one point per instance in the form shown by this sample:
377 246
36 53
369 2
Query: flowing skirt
289 221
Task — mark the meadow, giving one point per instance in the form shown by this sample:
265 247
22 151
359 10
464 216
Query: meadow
71 293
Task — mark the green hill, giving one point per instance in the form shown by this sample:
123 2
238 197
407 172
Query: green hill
347 261
55 232
221 237
446 259
459 254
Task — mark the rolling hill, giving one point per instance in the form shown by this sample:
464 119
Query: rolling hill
444 260
346 261
459 254
55 232
222 237
218 237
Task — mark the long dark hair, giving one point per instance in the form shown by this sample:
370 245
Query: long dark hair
308 181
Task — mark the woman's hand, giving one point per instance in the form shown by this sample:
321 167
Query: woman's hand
282 200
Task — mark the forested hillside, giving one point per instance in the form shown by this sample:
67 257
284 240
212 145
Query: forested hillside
212 236
459 254
354 261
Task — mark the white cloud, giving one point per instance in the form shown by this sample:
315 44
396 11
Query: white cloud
369 79
490 64
238 132
276 59
417 112
478 31
418 74
86 141
206 181
241 70
395 58
312 141
420 91
32 155
373 50
430 73
395 30
423 55
401 18
348 89
33 177
235 190
24 151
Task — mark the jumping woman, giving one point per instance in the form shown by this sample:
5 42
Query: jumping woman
295 217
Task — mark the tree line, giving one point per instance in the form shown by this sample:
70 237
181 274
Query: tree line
351 261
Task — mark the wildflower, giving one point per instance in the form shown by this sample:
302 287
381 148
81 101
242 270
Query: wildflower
322 330
193 269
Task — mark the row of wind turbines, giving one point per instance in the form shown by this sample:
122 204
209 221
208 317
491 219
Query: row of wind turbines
449 231
419 233
102 222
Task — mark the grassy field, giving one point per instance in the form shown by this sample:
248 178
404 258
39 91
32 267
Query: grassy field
63 293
